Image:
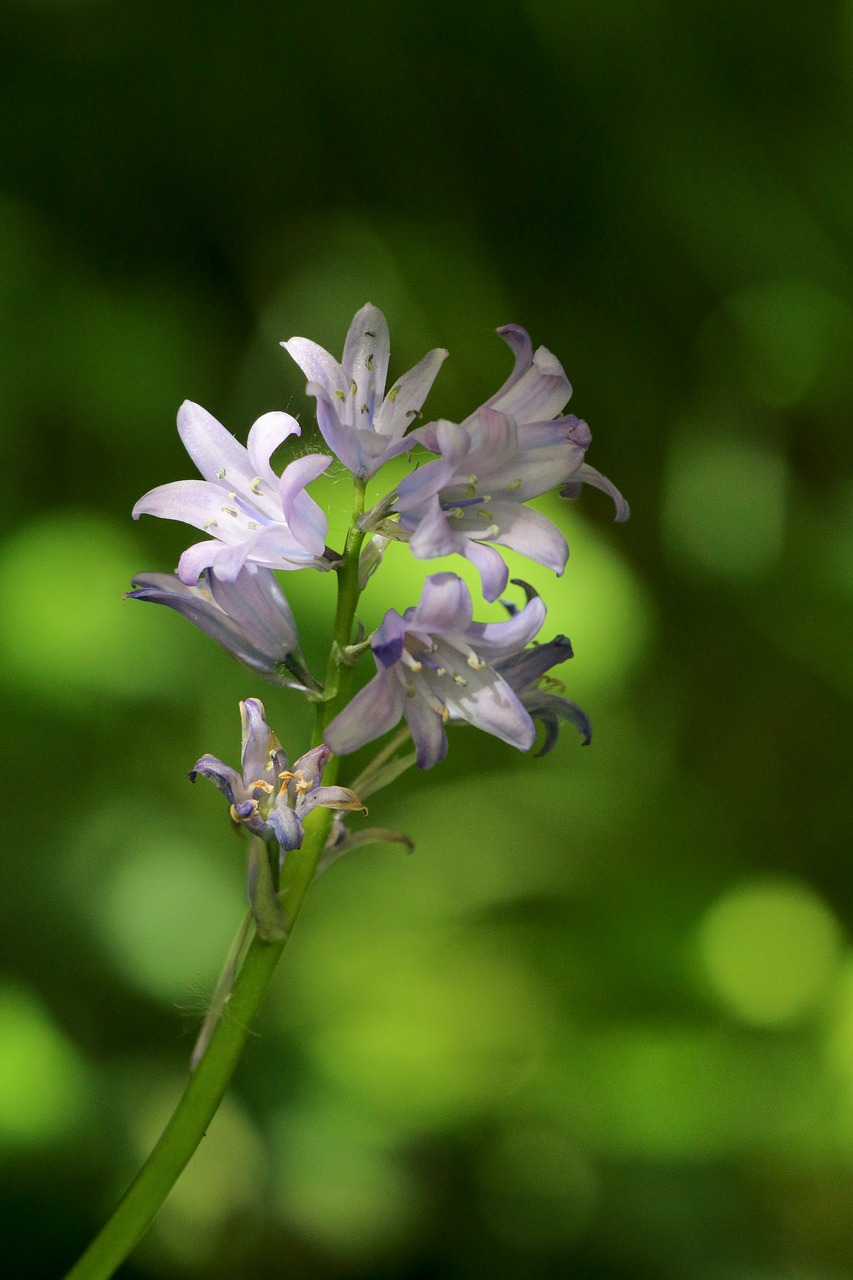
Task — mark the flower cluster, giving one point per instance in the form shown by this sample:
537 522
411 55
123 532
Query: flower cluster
467 494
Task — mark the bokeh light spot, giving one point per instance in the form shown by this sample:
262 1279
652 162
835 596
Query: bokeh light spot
789 330
340 1182
724 504
167 909
64 628
770 950
43 1083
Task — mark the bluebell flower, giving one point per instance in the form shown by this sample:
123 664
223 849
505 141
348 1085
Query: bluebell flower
249 617
268 797
362 425
511 449
252 515
433 665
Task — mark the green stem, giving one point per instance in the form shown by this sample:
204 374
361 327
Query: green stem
227 1033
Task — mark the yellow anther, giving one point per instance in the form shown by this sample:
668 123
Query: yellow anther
211 524
393 393
369 363
253 524
485 513
353 386
340 394
230 511
471 490
220 475
476 663
260 785
364 409
457 513
441 671
445 714
514 484
255 484
460 680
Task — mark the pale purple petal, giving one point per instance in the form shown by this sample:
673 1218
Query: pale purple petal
312 763
258 742
540 393
265 436
432 534
494 574
306 519
196 559
256 601
530 533
425 483
589 475
320 367
339 435
498 640
427 729
194 502
212 448
488 703
445 604
365 361
373 711
403 402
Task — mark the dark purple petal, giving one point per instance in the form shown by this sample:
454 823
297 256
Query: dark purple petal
549 709
525 668
285 825
387 642
222 776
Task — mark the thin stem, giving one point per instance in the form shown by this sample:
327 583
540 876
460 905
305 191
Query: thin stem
234 1009
222 994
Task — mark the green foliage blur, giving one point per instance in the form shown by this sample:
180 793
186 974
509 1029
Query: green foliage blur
600 1024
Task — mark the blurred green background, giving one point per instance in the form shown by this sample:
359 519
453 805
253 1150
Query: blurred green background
600 1024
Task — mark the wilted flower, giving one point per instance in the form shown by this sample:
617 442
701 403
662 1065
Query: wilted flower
432 664
362 428
253 515
250 617
511 449
268 797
